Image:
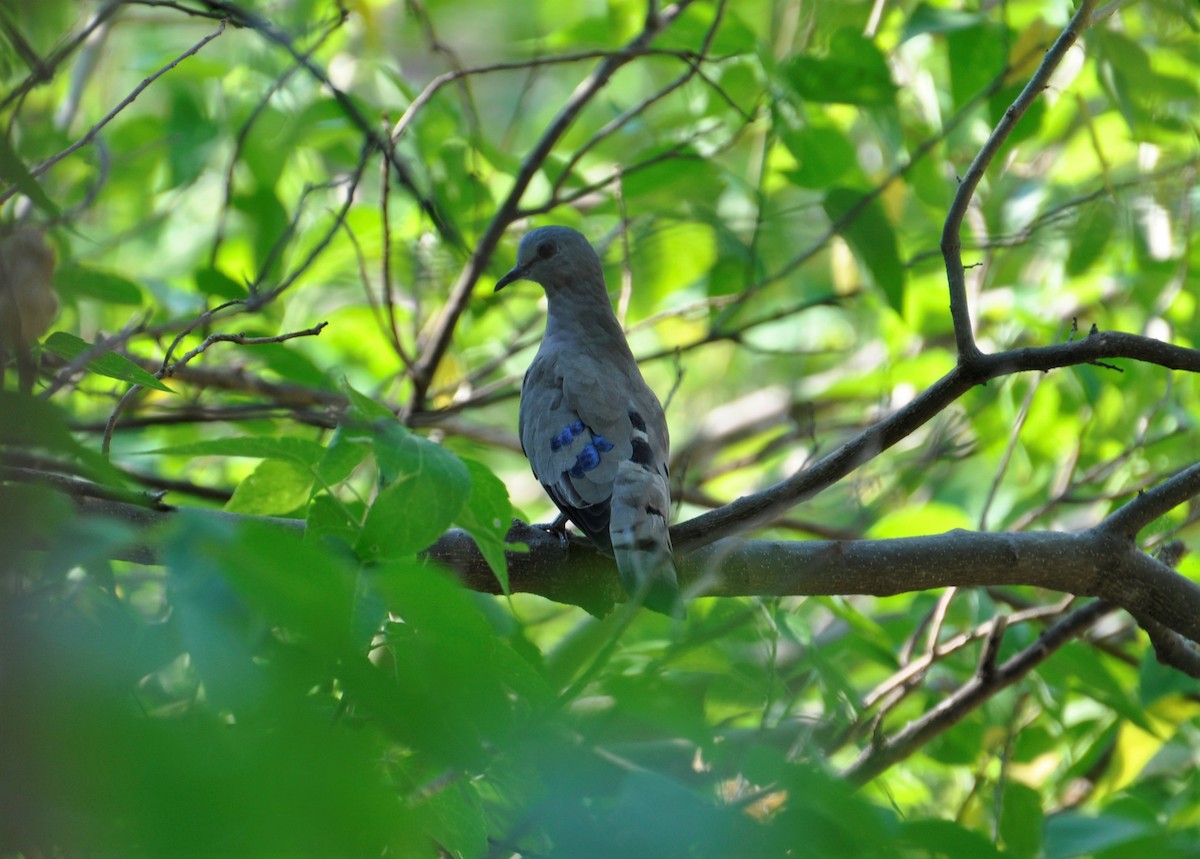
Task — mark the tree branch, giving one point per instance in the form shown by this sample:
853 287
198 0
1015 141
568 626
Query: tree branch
951 232
986 683
1153 503
1093 562
751 511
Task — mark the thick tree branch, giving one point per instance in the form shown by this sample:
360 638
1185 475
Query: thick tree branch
1095 562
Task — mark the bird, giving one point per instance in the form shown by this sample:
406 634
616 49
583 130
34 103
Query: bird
593 431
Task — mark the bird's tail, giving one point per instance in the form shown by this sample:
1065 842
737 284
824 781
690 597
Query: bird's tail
641 505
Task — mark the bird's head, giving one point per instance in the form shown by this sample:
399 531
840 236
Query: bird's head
555 257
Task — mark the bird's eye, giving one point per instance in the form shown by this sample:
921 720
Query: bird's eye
545 250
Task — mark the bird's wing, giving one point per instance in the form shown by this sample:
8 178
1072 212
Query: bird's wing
575 431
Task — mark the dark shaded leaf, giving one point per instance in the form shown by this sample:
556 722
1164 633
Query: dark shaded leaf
853 71
871 237
109 364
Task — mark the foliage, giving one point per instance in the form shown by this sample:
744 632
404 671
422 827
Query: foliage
255 275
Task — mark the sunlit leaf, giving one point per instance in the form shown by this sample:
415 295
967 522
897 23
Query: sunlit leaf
274 487
294 450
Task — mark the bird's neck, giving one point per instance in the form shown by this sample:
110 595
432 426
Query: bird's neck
577 315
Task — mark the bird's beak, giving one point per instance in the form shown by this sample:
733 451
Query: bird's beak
517 273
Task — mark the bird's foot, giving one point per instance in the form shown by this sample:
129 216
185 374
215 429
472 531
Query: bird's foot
539 534
558 527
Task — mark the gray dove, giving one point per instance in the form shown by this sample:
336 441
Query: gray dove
593 431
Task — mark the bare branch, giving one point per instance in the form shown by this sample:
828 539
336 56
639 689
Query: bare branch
951 232
752 510
1153 503
1085 563
44 70
974 692
169 368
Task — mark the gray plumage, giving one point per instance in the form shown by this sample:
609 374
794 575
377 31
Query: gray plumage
593 431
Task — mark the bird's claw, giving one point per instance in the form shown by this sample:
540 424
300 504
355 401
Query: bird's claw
558 527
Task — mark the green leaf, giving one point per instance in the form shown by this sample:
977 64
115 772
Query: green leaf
214 282
294 450
192 135
110 364
15 173
1091 236
344 454
444 635
694 26
1156 680
671 259
426 487
292 364
27 421
871 237
363 410
854 71
1021 821
269 220
85 282
1071 834
272 489
978 55
307 592
1088 671
458 825
823 155
487 516
937 19
328 519
946 839
655 180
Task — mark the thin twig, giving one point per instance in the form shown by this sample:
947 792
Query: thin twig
970 695
168 369
91 133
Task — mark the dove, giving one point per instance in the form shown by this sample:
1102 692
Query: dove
593 431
